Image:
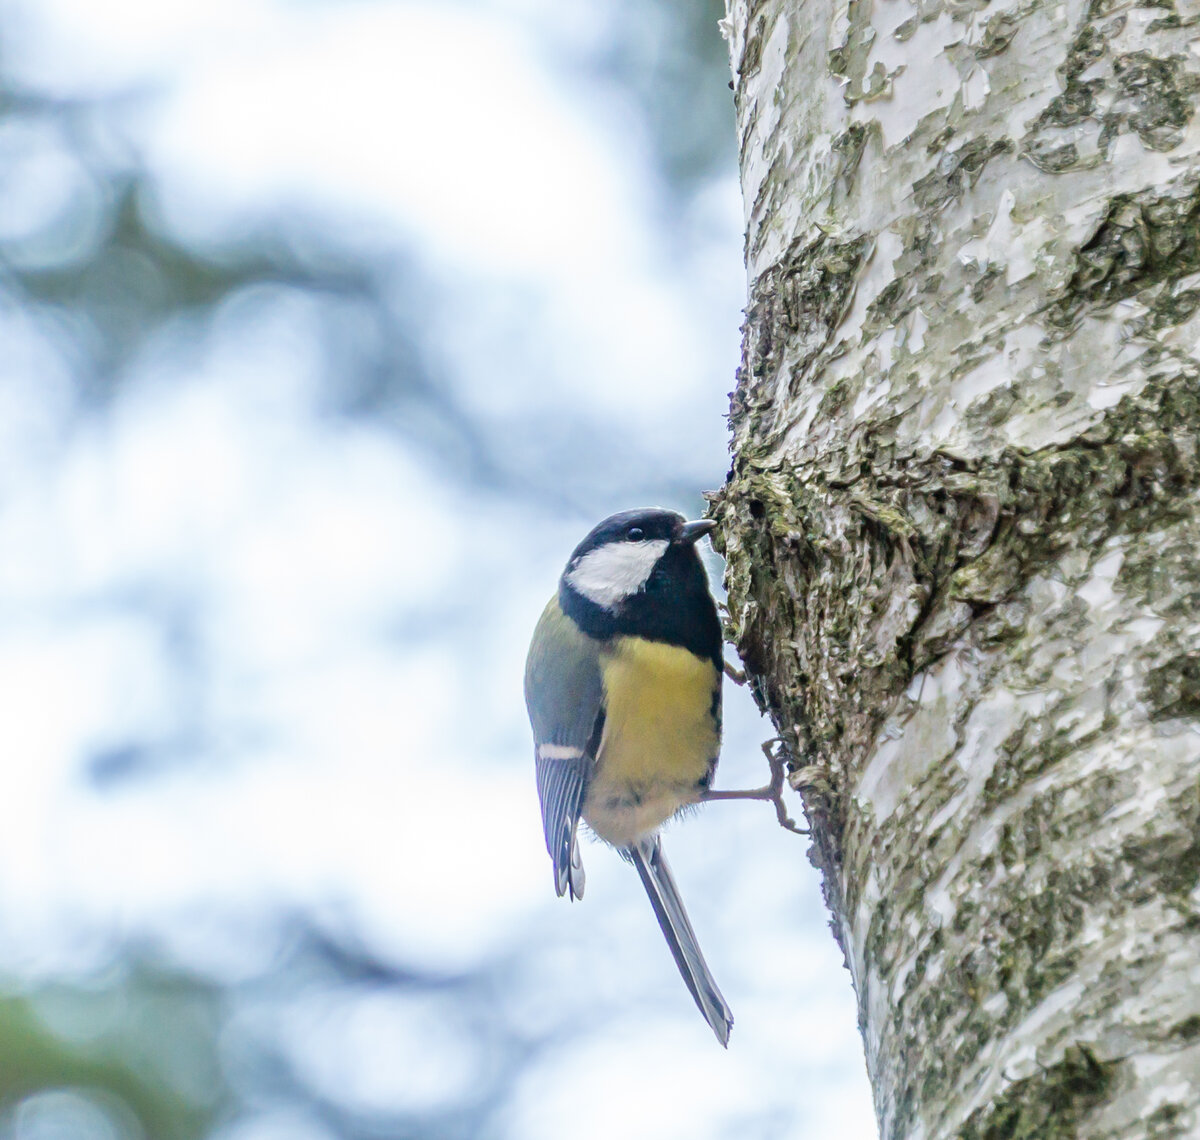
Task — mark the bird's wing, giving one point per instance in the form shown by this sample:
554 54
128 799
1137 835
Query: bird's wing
564 692
562 784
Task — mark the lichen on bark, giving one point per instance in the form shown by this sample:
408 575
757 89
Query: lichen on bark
961 528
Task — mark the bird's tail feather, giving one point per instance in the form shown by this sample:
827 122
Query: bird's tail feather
660 885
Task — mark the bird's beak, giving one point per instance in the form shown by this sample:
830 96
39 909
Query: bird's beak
691 533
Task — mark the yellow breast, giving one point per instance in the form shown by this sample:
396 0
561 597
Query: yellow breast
661 737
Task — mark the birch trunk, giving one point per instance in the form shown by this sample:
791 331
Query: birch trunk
962 528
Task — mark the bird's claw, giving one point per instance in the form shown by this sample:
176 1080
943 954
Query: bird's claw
778 764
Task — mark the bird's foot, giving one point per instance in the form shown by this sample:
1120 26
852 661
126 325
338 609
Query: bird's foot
772 792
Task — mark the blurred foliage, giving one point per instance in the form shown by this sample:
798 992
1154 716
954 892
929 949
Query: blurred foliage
105 299
150 1049
131 1057
671 59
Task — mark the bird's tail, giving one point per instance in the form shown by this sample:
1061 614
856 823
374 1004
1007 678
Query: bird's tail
660 885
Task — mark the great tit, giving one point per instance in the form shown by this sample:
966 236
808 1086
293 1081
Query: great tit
623 687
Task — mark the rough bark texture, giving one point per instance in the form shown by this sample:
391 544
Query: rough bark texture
963 525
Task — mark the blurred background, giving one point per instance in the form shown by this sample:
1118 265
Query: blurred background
326 331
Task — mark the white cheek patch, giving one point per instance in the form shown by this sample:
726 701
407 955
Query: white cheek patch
611 573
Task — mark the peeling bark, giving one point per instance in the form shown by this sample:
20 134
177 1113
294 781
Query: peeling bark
963 535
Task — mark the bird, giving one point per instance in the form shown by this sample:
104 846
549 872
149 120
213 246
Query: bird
623 689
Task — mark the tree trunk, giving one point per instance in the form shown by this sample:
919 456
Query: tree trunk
962 528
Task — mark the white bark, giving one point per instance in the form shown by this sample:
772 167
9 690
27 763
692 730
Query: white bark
963 532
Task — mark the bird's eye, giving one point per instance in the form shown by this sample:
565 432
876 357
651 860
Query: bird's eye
635 534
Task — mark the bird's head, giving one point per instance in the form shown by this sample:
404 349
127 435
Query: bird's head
635 557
